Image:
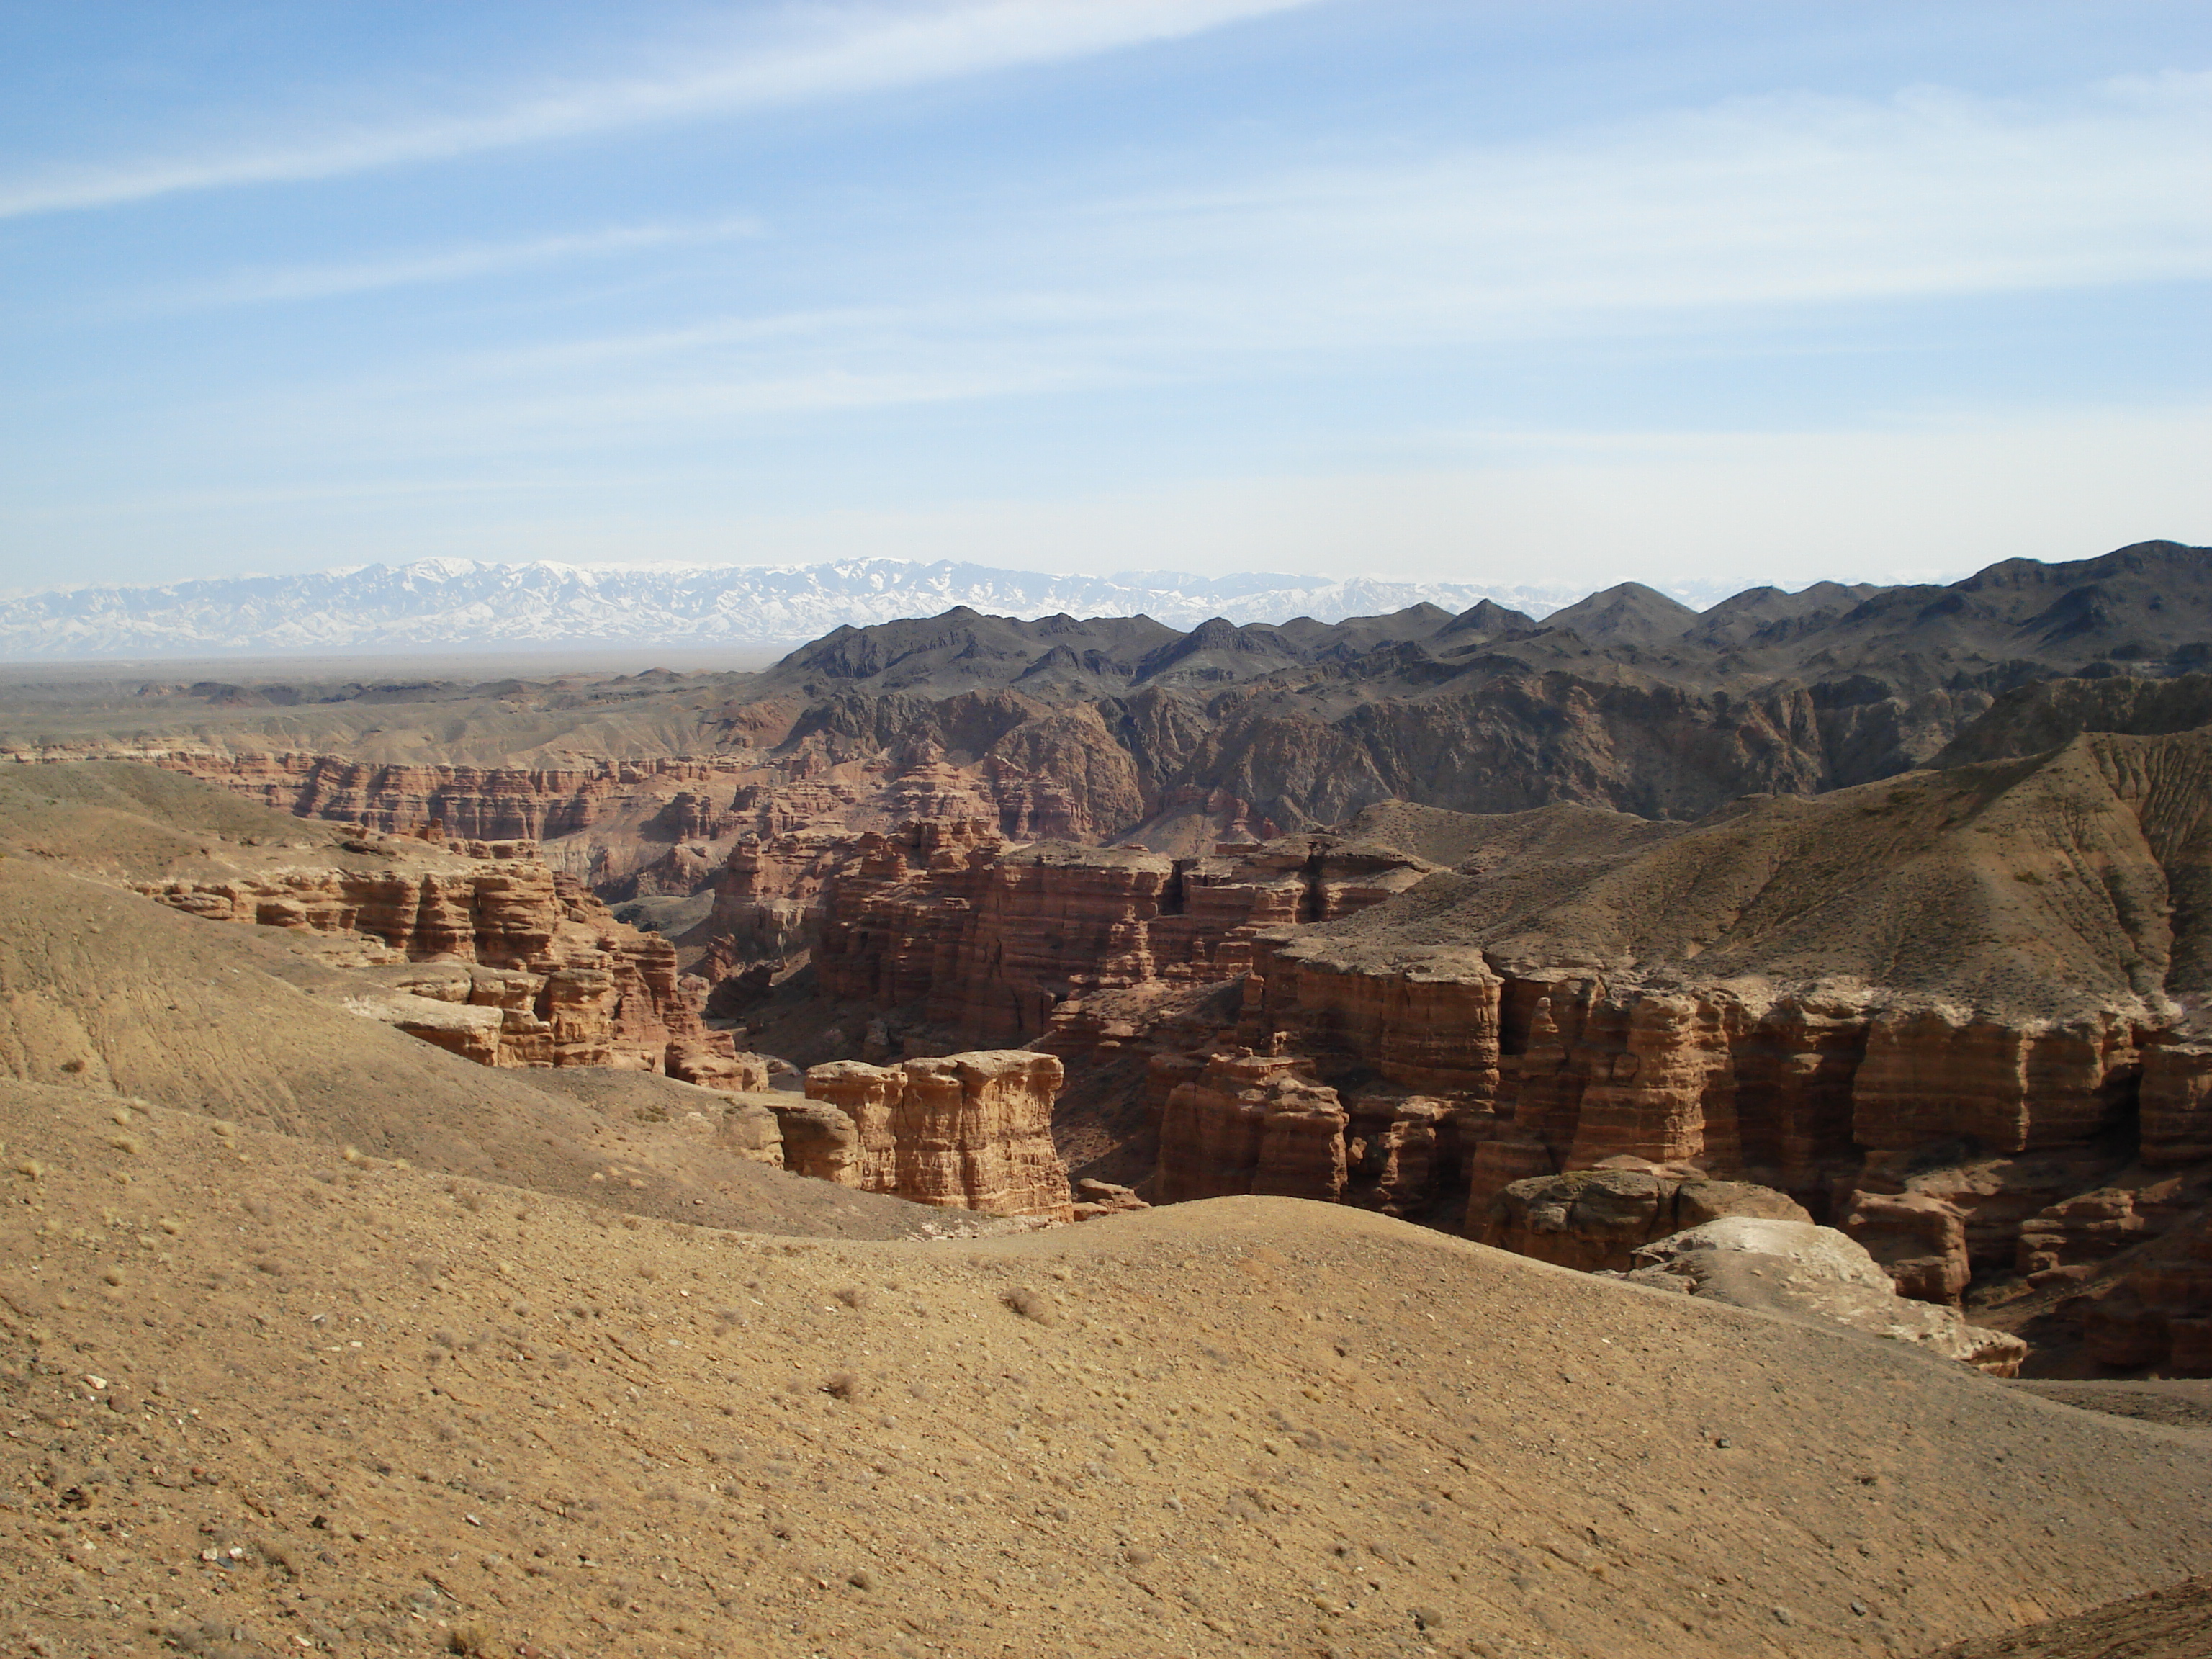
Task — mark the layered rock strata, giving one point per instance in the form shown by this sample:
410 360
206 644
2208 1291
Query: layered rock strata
1839 1108
988 941
2043 934
484 949
484 803
664 825
2159 1312
1423 1061
963 1132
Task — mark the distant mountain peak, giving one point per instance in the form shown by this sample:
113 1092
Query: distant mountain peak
468 604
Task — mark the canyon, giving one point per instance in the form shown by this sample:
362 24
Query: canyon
1278 1094
1968 1039
1885 900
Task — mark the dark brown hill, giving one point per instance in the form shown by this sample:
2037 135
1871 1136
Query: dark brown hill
1629 613
1626 701
1736 620
2033 718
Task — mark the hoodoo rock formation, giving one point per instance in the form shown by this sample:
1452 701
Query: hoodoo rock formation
482 949
962 1132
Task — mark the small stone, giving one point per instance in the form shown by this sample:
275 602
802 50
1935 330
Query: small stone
1859 1607
1723 1443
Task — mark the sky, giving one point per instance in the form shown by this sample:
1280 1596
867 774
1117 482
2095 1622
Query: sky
1462 290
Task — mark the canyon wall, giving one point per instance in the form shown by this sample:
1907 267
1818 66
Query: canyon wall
632 828
985 940
1848 1109
481 948
966 1132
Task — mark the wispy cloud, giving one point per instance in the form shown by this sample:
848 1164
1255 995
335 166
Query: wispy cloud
1776 200
453 264
847 50
1719 215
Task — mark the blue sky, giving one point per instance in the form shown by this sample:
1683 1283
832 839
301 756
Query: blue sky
1561 292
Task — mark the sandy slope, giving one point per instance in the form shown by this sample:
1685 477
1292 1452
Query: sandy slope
1245 1426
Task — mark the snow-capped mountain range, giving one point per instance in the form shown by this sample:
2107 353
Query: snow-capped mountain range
437 603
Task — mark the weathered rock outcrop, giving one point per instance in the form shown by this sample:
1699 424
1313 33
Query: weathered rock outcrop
1253 1124
1795 1268
989 938
1920 1240
2177 1103
948 925
484 949
2161 1312
1600 1219
962 1132
1241 1122
1094 1199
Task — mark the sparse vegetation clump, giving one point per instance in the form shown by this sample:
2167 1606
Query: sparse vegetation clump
1039 1307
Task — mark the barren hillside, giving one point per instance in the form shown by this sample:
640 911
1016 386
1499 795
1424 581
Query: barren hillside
264 1397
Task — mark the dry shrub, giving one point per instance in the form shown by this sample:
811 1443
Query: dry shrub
844 1385
1039 1307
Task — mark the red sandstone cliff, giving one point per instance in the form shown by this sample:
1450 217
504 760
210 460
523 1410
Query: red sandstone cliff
482 949
964 1132
985 940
